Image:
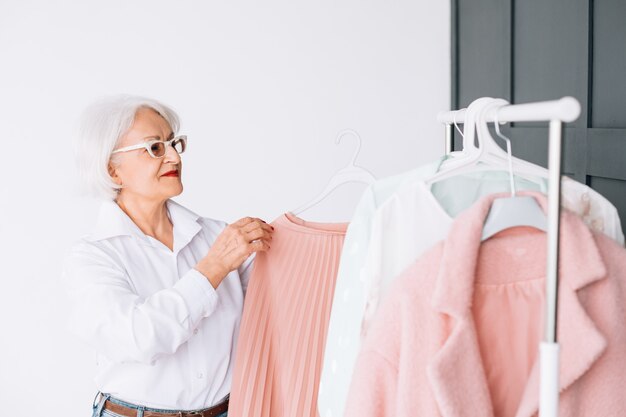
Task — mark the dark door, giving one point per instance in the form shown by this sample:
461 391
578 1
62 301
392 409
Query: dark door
531 50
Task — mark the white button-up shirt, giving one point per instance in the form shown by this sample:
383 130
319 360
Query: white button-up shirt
164 337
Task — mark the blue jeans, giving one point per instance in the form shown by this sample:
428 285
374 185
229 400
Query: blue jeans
98 408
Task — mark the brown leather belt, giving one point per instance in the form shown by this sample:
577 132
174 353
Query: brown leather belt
214 411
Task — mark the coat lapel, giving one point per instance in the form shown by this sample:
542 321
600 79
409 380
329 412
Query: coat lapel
456 373
580 341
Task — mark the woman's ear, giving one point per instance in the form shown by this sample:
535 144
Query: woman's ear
113 173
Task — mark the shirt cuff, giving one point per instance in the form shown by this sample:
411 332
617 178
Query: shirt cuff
198 293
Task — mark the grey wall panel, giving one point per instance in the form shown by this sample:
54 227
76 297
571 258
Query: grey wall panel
479 48
607 153
544 49
531 144
609 64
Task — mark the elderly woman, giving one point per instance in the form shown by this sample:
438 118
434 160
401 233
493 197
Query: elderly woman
156 289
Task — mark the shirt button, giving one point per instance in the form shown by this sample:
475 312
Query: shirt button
195 331
199 375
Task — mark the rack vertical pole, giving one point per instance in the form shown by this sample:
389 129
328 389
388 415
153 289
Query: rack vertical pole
549 348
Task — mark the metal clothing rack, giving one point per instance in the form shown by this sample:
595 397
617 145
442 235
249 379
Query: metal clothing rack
557 112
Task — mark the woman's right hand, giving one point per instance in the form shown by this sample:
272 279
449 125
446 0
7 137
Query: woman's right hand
233 246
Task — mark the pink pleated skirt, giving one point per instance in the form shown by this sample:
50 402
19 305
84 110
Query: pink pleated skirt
285 320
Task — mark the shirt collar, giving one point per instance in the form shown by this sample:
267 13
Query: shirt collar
113 221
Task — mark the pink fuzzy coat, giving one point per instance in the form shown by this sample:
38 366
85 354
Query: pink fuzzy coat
457 335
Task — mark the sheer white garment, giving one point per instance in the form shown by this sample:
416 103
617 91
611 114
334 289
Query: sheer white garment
348 306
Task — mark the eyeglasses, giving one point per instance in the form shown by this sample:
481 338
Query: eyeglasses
157 148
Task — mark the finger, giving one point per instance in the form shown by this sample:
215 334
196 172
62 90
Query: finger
243 221
258 234
256 231
254 224
259 246
254 235
267 227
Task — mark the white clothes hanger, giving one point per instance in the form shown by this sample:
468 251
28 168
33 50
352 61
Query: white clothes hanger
488 156
456 126
507 212
469 150
351 173
449 153
494 154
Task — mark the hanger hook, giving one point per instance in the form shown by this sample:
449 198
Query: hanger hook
358 138
455 124
508 148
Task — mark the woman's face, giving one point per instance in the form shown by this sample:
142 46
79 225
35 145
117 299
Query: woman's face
141 175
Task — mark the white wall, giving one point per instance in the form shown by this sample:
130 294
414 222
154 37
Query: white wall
262 88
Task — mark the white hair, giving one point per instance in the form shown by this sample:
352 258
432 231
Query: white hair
102 125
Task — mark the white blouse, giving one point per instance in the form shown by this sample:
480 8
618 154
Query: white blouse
343 338
164 337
